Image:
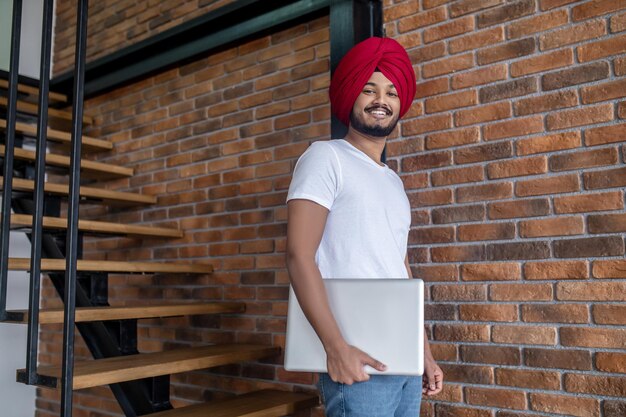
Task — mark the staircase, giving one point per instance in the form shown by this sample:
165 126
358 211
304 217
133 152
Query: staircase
140 381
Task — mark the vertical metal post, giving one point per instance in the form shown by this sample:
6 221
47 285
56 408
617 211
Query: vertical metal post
71 252
7 189
40 172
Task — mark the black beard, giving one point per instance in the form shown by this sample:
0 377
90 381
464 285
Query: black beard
376 130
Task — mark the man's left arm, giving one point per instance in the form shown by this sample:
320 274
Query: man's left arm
433 375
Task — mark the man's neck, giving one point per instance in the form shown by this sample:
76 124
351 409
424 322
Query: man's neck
372 146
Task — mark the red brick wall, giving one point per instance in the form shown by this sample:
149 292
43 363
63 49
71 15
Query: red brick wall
513 158
114 24
518 229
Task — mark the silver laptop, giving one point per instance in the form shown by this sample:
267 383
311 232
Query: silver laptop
382 317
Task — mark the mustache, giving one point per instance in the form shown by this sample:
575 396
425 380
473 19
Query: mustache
379 107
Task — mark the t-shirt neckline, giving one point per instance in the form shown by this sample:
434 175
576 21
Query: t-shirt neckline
366 156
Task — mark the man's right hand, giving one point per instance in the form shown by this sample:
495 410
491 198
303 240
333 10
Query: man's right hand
346 364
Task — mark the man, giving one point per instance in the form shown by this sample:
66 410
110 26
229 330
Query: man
349 217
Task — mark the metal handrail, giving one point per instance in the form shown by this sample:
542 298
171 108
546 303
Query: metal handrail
38 195
7 189
72 240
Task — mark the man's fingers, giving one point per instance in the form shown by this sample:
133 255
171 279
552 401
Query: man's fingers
378 365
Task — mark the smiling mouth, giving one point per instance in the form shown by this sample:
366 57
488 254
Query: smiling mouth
378 112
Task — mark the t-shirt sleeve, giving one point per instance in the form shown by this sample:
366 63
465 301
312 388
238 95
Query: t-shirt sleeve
317 175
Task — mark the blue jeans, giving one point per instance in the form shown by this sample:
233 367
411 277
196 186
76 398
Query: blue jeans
381 396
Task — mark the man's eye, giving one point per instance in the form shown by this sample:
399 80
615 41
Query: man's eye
392 94
368 91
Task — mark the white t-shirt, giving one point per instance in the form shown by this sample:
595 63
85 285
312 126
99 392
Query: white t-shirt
369 215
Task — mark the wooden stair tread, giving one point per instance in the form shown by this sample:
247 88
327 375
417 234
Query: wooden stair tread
101 169
25 220
100 372
85 314
99 194
264 403
59 136
30 108
29 89
23 264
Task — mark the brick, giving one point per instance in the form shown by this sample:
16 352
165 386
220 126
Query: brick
558 358
584 159
573 34
558 313
621 110
468 373
519 208
597 385
586 247
476 40
505 13
426 161
574 76
551 4
431 198
436 273
550 185
497 355
459 292
487 113
451 28
596 291
423 19
528 379
458 214
614 408
448 65
538 23
426 124
479 312
611 362
609 269
492 231
609 314
494 191
619 65
452 138
515 88
431 235
546 102
450 101
449 410
520 292
548 143
462 332
509 50
458 253
605 178
439 312
518 250
542 63
432 87
501 398
579 117
482 153
401 10
606 223
464 7
589 202
603 92
596 8
562 404
597 50
457 176
618 23
480 76
606 134
516 127
427 53
517 167
556 270
415 180
558 226
527 335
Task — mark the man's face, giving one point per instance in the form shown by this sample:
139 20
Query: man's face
377 108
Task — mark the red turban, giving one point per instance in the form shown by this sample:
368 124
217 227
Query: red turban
358 65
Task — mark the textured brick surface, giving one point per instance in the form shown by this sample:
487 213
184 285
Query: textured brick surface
512 154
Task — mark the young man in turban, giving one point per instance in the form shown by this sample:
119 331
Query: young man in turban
349 217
